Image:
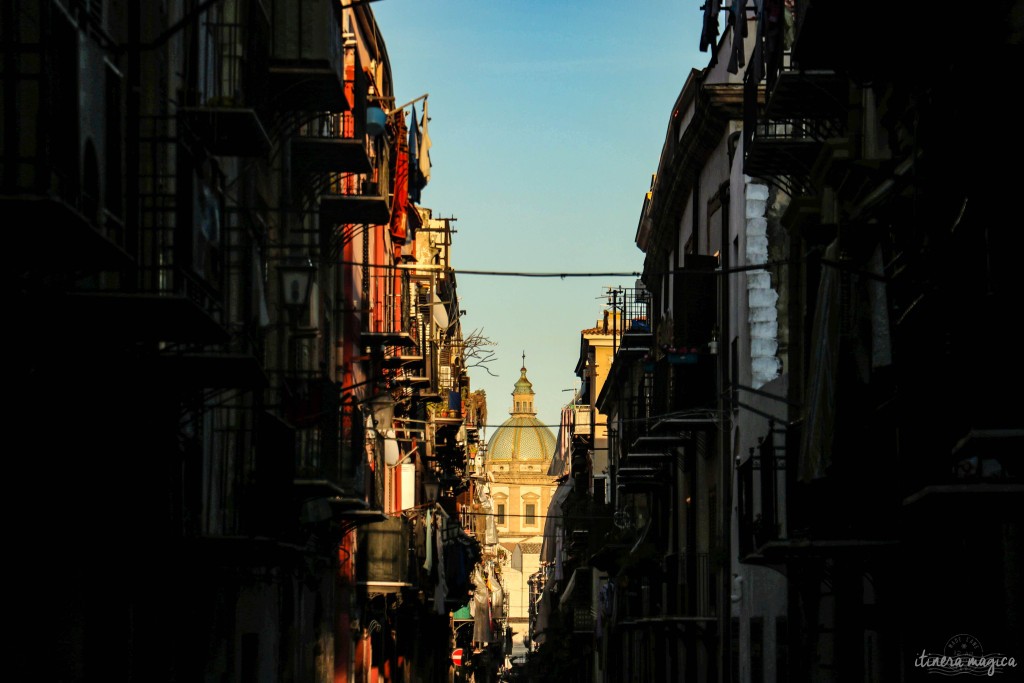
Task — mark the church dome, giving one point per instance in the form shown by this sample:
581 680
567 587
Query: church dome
522 436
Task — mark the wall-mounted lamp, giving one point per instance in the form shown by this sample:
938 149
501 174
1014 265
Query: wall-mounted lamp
296 283
713 344
431 487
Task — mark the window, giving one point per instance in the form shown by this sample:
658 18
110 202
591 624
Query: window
500 514
531 513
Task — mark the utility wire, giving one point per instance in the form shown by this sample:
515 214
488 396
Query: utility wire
574 274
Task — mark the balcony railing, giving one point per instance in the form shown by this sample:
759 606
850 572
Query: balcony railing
332 142
307 60
61 169
766 490
178 290
360 198
581 416
786 123
631 311
233 62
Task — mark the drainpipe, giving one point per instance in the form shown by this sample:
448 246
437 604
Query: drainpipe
133 70
725 439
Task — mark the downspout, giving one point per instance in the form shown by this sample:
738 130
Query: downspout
695 230
133 104
725 440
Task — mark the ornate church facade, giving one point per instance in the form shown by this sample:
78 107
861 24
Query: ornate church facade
518 456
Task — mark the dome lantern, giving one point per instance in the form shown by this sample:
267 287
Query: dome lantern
522 436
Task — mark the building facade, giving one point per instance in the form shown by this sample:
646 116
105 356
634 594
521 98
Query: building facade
794 423
517 461
215 205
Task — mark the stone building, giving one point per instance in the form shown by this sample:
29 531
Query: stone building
518 456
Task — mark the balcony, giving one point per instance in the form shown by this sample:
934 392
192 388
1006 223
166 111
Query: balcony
786 122
171 314
448 420
213 370
322 470
785 147
386 564
362 199
333 142
386 338
54 234
634 305
581 417
182 274
62 186
396 358
329 143
986 479
177 293
223 114
798 93
782 519
307 60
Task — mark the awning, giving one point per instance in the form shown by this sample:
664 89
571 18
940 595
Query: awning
579 581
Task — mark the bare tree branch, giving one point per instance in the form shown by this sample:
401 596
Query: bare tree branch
478 350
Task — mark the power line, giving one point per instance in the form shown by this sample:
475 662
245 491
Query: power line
496 273
680 271
561 276
537 516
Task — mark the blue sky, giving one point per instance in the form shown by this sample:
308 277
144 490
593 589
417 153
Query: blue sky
547 119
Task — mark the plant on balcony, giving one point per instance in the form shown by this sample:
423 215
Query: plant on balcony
680 355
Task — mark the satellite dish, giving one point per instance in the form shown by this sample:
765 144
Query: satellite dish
440 312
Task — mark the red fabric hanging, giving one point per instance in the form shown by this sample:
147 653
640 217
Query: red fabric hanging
399 227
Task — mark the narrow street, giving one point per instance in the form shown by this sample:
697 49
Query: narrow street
394 341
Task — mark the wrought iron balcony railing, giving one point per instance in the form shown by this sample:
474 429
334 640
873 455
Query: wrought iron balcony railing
221 112
307 66
789 113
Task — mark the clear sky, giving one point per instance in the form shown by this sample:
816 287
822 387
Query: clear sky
547 119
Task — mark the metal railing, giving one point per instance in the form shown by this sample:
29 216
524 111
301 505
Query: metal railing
630 309
762 519
581 420
173 262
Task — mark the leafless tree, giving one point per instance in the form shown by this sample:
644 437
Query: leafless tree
479 350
